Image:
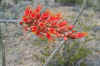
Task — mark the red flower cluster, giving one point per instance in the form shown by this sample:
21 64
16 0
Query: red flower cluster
47 24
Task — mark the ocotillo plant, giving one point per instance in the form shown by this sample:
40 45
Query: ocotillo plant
48 25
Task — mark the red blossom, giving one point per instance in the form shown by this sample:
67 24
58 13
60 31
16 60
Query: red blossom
80 35
70 27
38 9
58 16
73 36
73 31
48 36
41 24
65 38
28 11
52 30
38 32
62 23
33 15
34 28
45 15
54 24
25 19
21 23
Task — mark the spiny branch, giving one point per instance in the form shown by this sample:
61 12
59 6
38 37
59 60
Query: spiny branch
81 12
